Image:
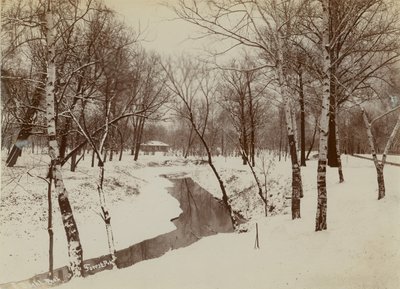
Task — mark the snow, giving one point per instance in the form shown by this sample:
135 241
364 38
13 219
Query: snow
360 249
24 212
155 143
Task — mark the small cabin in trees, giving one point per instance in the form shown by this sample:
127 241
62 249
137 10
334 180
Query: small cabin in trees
154 147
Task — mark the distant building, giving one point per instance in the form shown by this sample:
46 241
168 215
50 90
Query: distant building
154 147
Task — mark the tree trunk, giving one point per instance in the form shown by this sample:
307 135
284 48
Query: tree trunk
50 224
243 141
73 158
280 132
313 140
189 144
93 157
225 197
139 137
332 152
252 124
121 145
111 155
296 173
332 146
71 230
73 162
294 123
26 126
105 154
302 123
105 213
243 129
296 179
339 161
135 123
381 181
379 166
223 153
320 222
64 136
266 194
390 140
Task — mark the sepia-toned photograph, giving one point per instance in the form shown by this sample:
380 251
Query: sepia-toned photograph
200 144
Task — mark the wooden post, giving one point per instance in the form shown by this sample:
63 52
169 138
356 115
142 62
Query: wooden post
257 243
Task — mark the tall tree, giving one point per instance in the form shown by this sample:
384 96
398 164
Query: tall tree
71 230
151 96
363 43
234 99
266 26
320 223
194 88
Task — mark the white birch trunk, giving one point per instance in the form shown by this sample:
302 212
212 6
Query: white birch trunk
100 180
320 222
296 173
103 204
106 215
71 230
379 166
390 140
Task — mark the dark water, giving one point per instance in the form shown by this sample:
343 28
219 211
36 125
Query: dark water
202 215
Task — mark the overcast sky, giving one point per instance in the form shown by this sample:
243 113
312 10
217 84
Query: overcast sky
163 34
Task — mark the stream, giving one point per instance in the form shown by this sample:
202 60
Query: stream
202 215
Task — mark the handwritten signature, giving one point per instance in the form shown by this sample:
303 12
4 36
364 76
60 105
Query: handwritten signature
100 265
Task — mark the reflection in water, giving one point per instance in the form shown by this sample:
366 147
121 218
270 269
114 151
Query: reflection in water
203 215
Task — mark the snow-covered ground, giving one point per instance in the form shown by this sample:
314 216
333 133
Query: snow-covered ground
360 249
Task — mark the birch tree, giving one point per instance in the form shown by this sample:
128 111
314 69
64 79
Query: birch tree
380 164
74 244
108 100
363 44
320 223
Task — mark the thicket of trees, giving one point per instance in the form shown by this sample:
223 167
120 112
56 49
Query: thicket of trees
300 74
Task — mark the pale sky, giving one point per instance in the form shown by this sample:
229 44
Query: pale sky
163 34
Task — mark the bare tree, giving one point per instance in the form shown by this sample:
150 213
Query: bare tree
267 27
151 95
320 223
108 100
25 85
235 101
241 97
194 88
379 165
363 44
74 244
